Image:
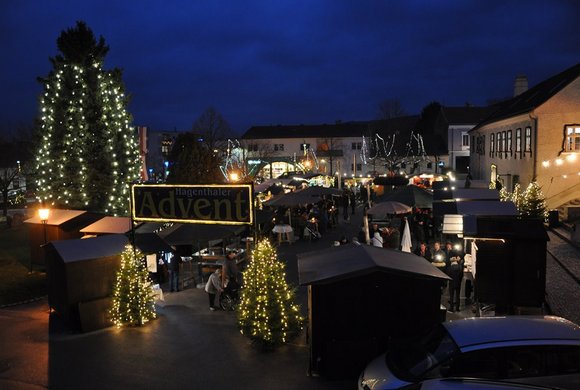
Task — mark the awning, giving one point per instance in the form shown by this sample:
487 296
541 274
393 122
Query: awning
480 207
108 225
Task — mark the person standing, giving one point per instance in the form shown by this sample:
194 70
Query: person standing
174 267
213 288
439 257
352 197
423 251
455 272
231 275
345 202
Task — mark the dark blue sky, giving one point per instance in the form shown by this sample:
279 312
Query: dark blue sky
291 62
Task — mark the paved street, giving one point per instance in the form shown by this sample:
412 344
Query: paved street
188 346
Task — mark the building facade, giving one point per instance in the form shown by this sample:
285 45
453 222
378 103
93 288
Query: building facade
534 136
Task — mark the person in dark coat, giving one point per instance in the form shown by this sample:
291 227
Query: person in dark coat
423 251
352 199
174 267
455 272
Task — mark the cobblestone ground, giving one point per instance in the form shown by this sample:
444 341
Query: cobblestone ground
562 291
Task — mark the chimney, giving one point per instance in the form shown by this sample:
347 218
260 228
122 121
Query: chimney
520 85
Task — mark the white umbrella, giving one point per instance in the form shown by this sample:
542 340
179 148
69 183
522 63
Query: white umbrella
406 240
389 207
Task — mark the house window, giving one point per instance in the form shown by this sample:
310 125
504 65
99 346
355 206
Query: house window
472 144
278 147
492 145
498 146
356 145
508 143
483 144
465 140
519 142
429 165
573 139
528 140
358 167
253 147
504 143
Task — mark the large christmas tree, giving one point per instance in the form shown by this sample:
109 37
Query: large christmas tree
133 301
267 313
89 152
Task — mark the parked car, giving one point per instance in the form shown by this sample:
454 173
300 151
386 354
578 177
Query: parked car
474 384
513 348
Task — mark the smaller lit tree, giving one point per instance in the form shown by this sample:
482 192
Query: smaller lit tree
517 196
534 203
267 313
133 301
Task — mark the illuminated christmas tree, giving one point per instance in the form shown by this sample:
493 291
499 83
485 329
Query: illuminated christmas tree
267 313
534 202
133 302
88 151
517 196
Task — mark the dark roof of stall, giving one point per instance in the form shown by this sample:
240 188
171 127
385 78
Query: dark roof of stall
90 248
347 261
509 227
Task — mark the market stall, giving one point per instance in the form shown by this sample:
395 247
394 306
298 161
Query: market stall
359 298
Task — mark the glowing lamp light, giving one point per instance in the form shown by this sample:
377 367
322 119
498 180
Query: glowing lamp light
571 157
457 247
564 176
545 164
234 176
559 161
438 257
43 214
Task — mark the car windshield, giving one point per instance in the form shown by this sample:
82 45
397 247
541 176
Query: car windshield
411 360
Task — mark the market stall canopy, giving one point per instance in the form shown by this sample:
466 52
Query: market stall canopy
346 261
410 195
292 199
150 243
90 248
109 225
389 207
263 216
465 194
479 207
59 217
188 234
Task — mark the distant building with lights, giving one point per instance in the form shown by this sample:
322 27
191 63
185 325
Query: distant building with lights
534 136
158 147
350 149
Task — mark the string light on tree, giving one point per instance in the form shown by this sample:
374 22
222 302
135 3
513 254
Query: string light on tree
267 313
133 301
88 151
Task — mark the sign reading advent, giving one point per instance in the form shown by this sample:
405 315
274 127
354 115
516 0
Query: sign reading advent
209 203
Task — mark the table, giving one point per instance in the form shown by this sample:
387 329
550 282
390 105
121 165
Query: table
285 233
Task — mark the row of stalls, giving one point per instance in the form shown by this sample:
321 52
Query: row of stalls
81 253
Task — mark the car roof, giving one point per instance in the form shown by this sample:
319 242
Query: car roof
481 330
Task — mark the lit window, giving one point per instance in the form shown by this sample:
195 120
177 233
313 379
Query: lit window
519 141
573 139
498 144
508 143
492 145
528 140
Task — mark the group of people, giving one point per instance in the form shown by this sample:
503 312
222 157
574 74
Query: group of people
450 260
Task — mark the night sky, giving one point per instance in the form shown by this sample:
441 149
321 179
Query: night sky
291 62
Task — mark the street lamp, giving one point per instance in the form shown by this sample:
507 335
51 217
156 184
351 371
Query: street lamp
43 214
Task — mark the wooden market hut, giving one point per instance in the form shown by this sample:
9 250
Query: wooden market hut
362 297
510 262
81 275
61 225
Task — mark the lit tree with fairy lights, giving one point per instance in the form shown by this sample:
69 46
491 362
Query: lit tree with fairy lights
88 150
267 313
133 301
533 203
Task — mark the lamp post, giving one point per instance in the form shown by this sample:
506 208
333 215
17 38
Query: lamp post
43 214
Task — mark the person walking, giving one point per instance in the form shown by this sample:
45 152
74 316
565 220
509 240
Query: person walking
231 275
174 267
213 288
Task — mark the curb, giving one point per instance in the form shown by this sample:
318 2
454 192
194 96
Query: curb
31 300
